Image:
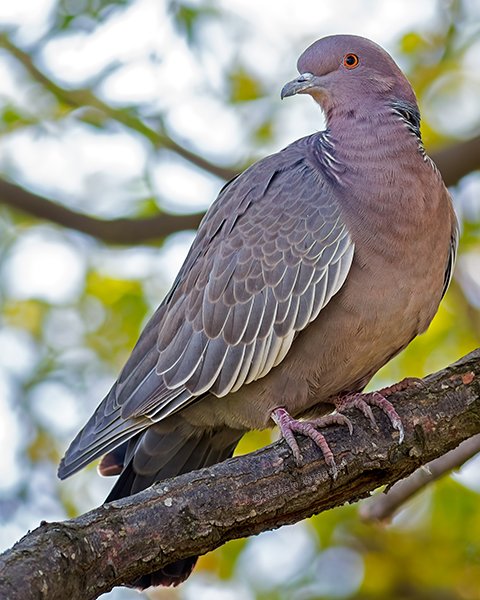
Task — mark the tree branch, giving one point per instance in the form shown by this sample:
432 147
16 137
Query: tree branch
85 97
116 231
454 162
457 160
382 507
199 511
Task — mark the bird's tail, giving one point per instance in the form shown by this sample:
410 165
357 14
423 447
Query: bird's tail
155 455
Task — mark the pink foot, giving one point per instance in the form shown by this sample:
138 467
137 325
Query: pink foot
364 402
401 385
289 426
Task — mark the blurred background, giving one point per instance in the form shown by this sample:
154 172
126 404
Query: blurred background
116 113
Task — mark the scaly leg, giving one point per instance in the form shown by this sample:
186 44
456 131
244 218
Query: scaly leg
289 426
401 386
364 402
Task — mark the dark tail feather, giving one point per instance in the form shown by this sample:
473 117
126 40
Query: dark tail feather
158 454
170 575
113 462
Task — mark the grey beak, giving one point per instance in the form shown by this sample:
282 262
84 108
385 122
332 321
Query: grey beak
298 85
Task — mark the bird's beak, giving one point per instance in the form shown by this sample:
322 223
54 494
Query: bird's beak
299 85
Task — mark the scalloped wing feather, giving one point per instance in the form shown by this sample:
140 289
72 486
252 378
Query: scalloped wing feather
269 255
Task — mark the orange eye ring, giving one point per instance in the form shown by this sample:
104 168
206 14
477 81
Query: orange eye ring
350 61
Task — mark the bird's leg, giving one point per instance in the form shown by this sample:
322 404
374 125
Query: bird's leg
364 402
401 386
289 426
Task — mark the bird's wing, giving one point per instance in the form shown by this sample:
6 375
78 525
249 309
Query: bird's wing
270 254
452 255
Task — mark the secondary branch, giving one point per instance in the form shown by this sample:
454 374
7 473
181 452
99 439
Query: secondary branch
454 162
114 231
77 98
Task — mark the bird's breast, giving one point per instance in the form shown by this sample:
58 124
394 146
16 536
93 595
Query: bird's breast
391 294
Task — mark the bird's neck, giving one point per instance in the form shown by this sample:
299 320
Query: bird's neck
390 131
376 161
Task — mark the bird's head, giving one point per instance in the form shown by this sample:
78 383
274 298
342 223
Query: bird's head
350 72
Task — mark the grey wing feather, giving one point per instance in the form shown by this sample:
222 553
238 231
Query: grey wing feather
452 255
268 256
248 320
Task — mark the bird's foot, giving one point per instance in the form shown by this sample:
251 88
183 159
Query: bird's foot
401 386
364 402
289 426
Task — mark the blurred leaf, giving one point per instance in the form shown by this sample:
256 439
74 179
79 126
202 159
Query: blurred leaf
12 118
41 448
148 207
229 557
83 15
26 314
264 133
125 307
243 86
412 43
253 440
187 16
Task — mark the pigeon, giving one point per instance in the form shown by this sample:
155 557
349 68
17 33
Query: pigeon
309 272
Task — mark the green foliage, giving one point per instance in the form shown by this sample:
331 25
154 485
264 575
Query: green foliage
243 85
188 16
85 14
124 308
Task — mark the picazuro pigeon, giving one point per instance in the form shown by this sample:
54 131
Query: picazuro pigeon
311 270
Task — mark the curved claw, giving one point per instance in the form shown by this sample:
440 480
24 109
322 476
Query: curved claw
401 432
288 426
377 399
367 411
335 418
364 402
360 402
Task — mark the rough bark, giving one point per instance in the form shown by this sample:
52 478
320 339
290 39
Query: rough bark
197 512
382 507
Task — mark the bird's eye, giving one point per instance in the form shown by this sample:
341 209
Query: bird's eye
350 61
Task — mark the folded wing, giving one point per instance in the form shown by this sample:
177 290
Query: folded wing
269 255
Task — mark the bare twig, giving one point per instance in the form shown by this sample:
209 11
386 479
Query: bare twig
382 507
454 162
85 97
457 160
196 512
116 231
